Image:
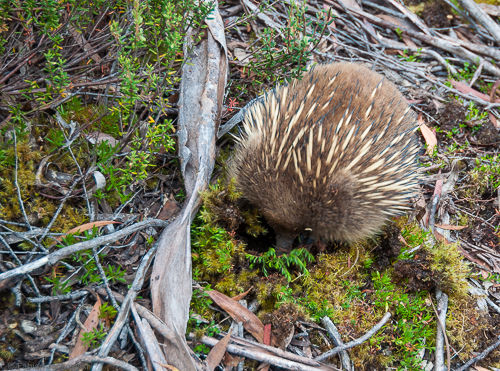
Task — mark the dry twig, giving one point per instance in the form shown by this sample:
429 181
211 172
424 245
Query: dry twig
356 342
80 361
335 335
480 356
482 17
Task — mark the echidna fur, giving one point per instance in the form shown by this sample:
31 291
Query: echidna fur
334 153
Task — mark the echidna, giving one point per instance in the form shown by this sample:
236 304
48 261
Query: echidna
334 153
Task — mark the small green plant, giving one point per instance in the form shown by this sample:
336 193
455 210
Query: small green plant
454 148
115 273
107 312
200 303
414 237
352 292
200 349
55 136
210 329
90 272
492 277
412 316
486 173
92 339
411 57
316 310
453 132
285 295
399 32
58 78
297 258
475 114
4 158
368 263
122 177
280 55
466 73
59 285
85 258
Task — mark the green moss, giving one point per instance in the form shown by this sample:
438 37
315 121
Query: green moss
337 278
214 251
449 263
466 326
442 262
200 303
70 217
219 205
27 161
253 222
6 355
485 176
101 118
234 284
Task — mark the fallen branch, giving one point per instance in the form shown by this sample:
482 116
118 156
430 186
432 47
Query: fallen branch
78 362
253 352
480 356
441 337
482 17
54 257
153 349
201 95
356 342
335 335
451 47
122 317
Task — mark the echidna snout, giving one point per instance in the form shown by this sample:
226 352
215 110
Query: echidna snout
334 153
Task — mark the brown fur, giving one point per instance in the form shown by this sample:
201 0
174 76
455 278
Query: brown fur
304 170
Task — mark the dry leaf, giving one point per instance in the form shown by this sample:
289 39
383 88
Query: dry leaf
428 134
466 89
169 209
494 120
451 227
240 314
97 137
231 361
86 227
169 367
90 324
242 295
267 334
441 238
217 352
491 9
